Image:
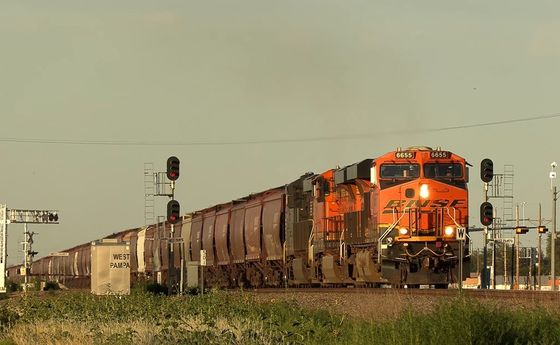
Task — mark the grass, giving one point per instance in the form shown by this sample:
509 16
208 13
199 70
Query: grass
219 318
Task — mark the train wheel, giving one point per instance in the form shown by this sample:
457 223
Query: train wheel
441 286
254 277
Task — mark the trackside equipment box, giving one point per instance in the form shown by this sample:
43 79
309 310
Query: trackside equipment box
110 267
192 274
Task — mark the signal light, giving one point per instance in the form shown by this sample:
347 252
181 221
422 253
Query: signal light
486 213
486 170
521 230
173 168
542 229
53 217
173 211
403 231
449 231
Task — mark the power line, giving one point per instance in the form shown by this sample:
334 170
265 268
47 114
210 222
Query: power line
269 141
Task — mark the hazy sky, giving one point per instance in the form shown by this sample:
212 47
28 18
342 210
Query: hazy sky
180 72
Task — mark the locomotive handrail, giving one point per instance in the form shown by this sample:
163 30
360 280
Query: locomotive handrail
459 225
395 222
310 251
386 233
452 216
341 244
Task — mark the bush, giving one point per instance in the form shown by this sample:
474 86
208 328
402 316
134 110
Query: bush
156 289
51 286
193 291
8 317
12 286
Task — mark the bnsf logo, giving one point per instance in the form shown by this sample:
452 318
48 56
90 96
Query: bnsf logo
423 203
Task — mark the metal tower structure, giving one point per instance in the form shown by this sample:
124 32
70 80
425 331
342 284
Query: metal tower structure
507 201
149 194
501 187
10 216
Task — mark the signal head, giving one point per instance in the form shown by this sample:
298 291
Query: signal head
486 213
486 170
173 211
173 168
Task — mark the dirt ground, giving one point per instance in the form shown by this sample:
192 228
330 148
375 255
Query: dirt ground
380 306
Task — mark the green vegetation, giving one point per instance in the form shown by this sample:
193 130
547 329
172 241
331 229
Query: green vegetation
50 286
221 318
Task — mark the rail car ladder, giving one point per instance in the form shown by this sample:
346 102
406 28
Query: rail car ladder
149 194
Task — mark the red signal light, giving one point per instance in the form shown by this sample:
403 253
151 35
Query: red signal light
173 211
173 168
486 213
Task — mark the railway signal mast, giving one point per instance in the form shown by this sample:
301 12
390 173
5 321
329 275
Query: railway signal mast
486 213
163 184
25 217
173 216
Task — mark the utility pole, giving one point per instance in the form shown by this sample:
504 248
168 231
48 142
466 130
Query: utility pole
552 176
539 249
494 258
505 264
517 245
530 274
3 246
553 247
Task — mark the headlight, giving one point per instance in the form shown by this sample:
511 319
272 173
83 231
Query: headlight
449 231
403 231
424 193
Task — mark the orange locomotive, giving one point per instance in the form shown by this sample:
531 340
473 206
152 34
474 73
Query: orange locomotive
423 201
392 219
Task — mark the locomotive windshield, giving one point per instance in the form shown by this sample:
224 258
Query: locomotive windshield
443 170
395 174
400 171
449 173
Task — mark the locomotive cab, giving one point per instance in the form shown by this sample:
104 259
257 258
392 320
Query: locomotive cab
423 202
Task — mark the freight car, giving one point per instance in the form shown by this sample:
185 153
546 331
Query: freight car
389 220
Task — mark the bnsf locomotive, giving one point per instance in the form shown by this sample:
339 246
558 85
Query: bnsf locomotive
389 220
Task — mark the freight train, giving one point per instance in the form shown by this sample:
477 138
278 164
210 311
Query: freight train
391 220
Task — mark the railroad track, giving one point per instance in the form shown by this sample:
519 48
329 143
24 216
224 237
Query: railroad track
475 293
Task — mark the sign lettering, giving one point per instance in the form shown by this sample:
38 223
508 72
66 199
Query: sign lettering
415 203
461 233
119 260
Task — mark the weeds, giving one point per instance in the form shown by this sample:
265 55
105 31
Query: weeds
220 318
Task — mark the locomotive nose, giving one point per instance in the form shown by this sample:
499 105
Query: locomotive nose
420 190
